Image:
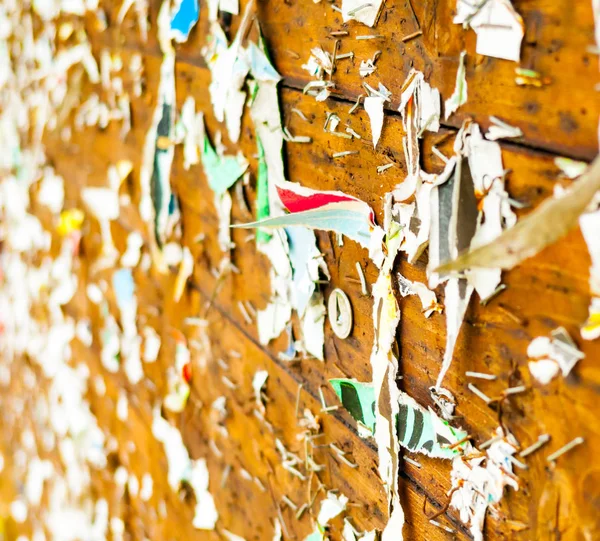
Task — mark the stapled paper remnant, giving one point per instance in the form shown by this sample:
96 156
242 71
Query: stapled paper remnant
319 65
459 96
479 481
498 26
553 219
419 430
373 104
548 356
185 16
182 469
364 12
590 226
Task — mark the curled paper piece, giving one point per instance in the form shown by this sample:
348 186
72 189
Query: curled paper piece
328 211
553 219
459 96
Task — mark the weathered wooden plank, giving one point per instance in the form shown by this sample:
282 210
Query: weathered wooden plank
561 117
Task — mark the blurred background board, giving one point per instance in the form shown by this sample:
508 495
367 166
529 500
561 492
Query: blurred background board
247 481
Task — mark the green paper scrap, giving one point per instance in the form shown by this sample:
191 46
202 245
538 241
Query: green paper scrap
262 193
221 171
358 398
419 430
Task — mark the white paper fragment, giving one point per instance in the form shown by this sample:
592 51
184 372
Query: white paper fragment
232 537
178 388
501 130
367 67
124 287
374 108
186 269
131 256
147 487
571 168
122 406
51 191
549 355
181 468
151 344
361 11
590 226
498 26
459 96
331 507
258 382
426 296
386 316
479 482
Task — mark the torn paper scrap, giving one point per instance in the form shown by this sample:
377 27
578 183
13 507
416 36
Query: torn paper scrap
186 269
307 264
258 382
589 224
495 213
319 63
185 16
158 205
478 482
361 11
151 344
548 356
419 429
229 68
124 288
424 102
221 171
374 108
459 96
373 105
182 469
103 204
501 130
331 507
179 376
499 28
426 296
553 219
571 168
329 211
